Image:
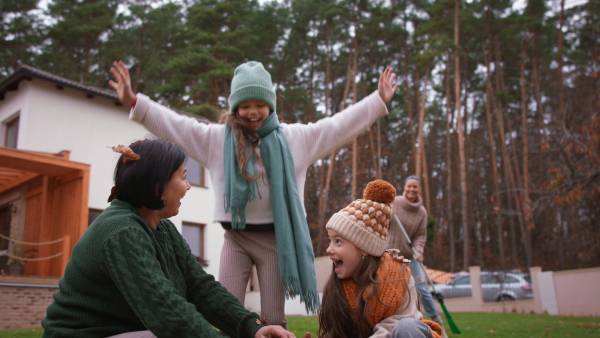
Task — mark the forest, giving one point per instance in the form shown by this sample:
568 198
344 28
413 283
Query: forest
497 109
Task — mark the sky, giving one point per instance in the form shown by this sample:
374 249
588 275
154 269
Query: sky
519 4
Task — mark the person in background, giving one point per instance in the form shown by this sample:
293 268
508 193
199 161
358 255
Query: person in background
370 292
132 275
258 171
409 209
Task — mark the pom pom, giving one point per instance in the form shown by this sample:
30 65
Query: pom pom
380 191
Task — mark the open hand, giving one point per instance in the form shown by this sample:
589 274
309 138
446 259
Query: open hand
123 83
273 331
386 87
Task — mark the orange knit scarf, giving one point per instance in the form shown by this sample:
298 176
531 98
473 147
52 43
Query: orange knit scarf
393 284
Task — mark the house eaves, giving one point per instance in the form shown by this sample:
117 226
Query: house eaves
29 73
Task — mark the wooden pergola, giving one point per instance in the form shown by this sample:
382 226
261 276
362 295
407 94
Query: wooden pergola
52 207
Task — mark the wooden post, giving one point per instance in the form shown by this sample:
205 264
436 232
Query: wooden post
66 254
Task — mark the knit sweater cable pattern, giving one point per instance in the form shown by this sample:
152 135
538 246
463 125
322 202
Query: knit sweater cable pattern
307 142
124 276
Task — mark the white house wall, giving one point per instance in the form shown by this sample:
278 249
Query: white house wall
53 120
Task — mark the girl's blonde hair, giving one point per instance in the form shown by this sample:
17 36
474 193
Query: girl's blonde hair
244 135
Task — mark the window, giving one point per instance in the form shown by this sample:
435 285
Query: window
4 226
5 231
463 280
92 215
195 172
193 234
488 279
12 132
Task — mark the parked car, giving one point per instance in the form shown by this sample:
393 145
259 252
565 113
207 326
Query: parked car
496 286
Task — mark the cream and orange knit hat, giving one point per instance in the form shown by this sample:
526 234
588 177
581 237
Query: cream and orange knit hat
365 222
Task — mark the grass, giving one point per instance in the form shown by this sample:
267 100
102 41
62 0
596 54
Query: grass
22 333
472 325
492 325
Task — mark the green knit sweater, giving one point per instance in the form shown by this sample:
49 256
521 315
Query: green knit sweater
124 276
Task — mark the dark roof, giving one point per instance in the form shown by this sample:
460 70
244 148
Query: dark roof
28 73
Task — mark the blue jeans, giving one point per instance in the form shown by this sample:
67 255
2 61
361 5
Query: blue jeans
411 328
426 297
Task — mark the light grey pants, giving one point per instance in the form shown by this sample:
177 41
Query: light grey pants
411 328
426 297
241 250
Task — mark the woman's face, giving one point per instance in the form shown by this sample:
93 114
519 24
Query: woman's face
412 189
346 257
174 192
254 112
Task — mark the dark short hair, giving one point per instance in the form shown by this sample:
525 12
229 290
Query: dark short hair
143 181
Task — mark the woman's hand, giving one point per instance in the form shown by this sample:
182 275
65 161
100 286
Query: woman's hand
123 85
273 331
386 87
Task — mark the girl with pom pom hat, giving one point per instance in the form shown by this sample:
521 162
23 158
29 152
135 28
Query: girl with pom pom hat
370 292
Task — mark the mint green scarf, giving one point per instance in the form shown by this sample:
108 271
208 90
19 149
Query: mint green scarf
294 245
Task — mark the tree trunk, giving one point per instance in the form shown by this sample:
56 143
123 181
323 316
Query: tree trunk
421 161
560 126
450 210
507 164
378 164
409 107
539 107
461 142
426 184
355 94
415 143
527 214
489 92
323 188
325 191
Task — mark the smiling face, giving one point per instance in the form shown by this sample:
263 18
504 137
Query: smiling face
412 189
254 112
174 192
346 257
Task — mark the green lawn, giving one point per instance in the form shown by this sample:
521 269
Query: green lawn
493 325
472 325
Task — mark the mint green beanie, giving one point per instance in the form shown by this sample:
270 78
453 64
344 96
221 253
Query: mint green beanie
251 82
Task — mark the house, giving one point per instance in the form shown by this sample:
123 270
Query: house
56 172
56 169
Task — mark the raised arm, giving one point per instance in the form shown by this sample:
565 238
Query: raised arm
196 138
330 133
386 87
123 83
